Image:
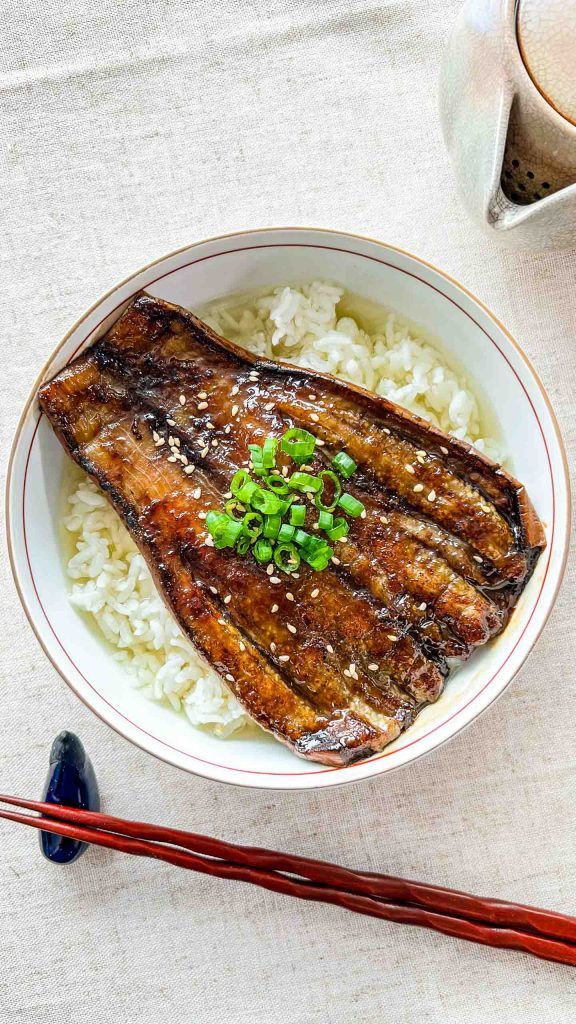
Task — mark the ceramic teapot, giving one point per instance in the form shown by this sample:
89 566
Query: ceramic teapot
508 108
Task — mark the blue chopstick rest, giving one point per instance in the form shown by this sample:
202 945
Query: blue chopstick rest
70 781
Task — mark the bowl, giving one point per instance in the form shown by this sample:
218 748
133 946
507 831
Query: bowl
192 276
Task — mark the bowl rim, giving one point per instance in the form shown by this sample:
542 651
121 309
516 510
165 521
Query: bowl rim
305 781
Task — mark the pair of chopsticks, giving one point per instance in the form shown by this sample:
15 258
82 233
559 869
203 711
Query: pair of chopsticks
543 933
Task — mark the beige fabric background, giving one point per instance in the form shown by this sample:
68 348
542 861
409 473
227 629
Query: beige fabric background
132 128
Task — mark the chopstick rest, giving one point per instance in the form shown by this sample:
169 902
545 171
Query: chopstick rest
71 781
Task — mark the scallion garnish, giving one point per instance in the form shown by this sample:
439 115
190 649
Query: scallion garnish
344 464
304 482
298 444
298 515
253 518
326 475
351 505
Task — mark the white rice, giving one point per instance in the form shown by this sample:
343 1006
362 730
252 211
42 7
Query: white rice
109 578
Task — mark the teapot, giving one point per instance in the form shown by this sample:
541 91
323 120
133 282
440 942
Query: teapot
508 110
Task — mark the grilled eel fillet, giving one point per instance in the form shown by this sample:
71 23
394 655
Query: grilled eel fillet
434 569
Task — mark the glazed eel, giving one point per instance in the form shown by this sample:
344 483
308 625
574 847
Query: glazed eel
160 410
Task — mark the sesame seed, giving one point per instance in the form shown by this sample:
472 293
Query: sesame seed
229 677
274 609
202 515
235 390
177 442
311 397
373 666
432 496
315 592
189 469
212 590
347 673
384 520
409 468
290 627
314 417
204 452
228 494
272 646
422 607
443 450
306 468
386 431
269 406
284 657
183 459
215 443
363 514
227 428
270 569
197 493
182 399
477 558
295 575
171 423
209 425
202 395
421 452
209 543
160 442
202 405
242 645
170 440
418 488
274 579
285 470
352 669
335 561
234 410
421 460
171 458
329 648
320 442
155 435
289 596
222 622
228 598
392 637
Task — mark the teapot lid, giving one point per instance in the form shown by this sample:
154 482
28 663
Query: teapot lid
546 31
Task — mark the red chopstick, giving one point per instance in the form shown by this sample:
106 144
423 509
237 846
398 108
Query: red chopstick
503 924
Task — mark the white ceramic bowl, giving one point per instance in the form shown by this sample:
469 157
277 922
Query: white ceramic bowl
237 262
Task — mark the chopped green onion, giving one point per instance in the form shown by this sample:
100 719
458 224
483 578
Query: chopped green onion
213 518
286 532
344 464
325 520
298 515
298 444
286 557
269 452
262 550
339 530
304 482
224 530
317 553
272 526
238 480
323 476
234 509
252 523
285 503
243 544
351 505
301 537
247 491
264 501
255 452
277 484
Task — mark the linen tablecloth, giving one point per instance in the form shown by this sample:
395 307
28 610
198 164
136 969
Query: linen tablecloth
129 129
